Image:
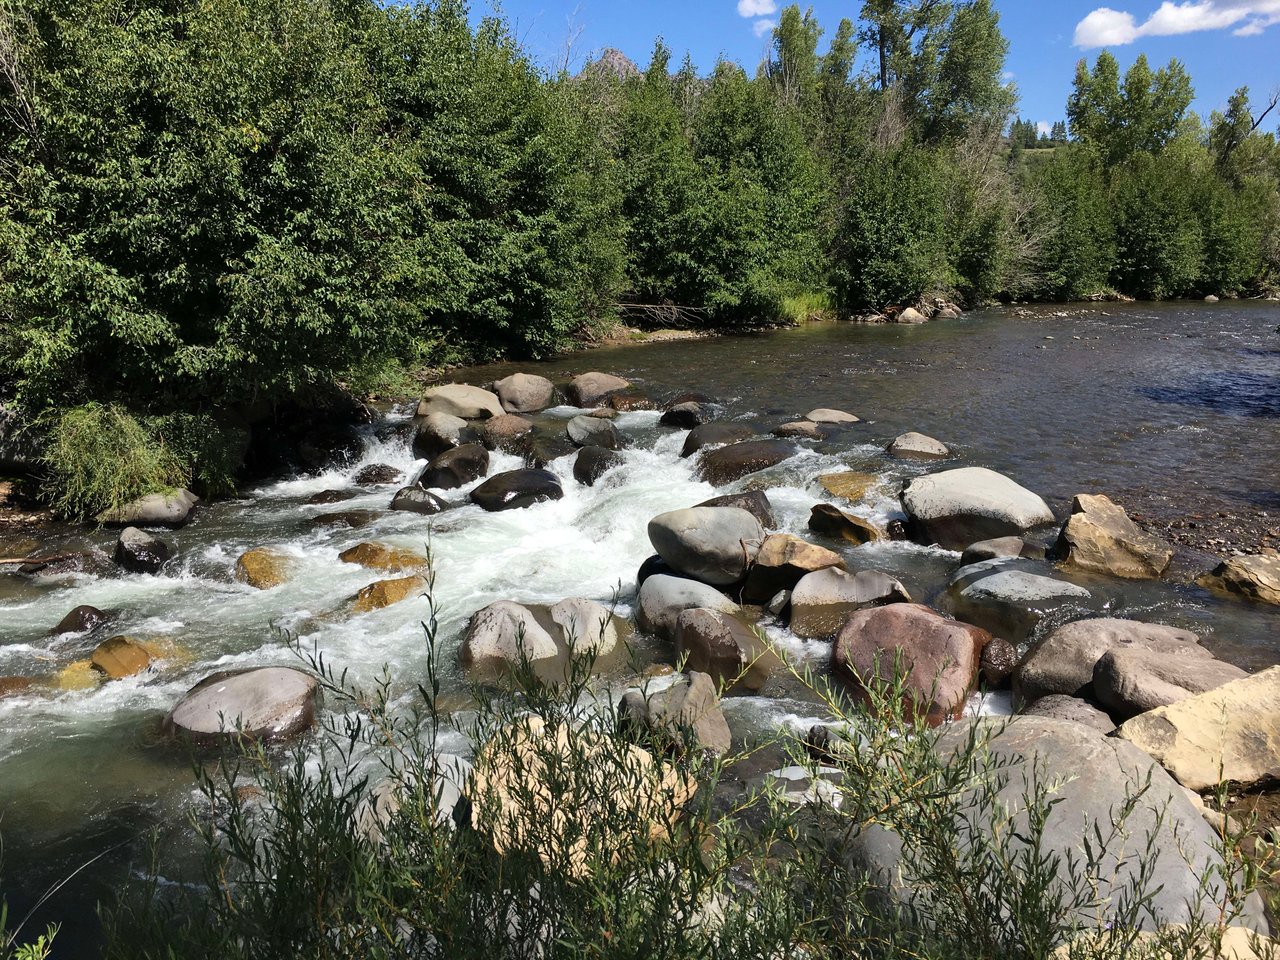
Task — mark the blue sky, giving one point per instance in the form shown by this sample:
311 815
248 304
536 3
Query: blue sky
1224 43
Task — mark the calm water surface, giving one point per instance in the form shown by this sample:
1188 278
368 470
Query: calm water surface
1180 400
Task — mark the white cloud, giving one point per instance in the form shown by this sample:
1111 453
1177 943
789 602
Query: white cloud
1105 27
757 8
1044 127
761 27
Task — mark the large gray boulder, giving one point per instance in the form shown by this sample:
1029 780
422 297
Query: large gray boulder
957 507
170 510
587 431
139 552
712 434
999 549
506 433
1128 681
713 544
499 633
264 704
939 657
438 432
460 400
589 390
755 502
1100 537
586 627
737 460
823 600
524 393
917 446
593 462
517 489
455 468
1009 600
1087 779
685 714
663 597
1059 706
1065 660
722 646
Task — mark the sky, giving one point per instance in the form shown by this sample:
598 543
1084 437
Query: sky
1225 44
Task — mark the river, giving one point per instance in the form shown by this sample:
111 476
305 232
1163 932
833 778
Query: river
1172 404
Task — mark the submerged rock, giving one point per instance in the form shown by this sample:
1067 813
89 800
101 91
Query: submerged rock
139 552
455 468
663 598
713 434
525 393
377 474
822 601
460 400
327 497
265 704
517 489
154 510
727 464
384 593
713 544
939 657
1255 577
957 507
120 657
590 390
262 568
379 556
851 485
417 500
349 519
687 415
800 430
1100 537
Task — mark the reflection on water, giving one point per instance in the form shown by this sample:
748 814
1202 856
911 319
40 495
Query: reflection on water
1180 399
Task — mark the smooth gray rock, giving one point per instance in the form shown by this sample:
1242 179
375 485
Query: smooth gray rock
586 626
1008 600
418 500
460 400
517 489
1064 661
139 552
594 432
755 502
686 714
1059 706
737 460
455 468
827 415
594 462
1095 777
264 704
714 434
170 510
438 432
722 646
958 507
663 597
498 633
713 544
524 393
1128 681
824 599
999 549
917 446
591 389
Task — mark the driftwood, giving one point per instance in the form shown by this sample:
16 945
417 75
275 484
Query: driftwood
42 561
664 314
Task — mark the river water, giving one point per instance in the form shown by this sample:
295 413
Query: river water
1180 401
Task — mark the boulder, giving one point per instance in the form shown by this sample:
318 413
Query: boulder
379 556
262 568
999 660
822 601
524 393
504 432
120 657
1256 577
460 400
171 510
800 430
498 633
663 597
722 646
348 519
384 593
594 462
590 390
654 566
626 402
540 448
687 415
139 552
755 502
588 431
16 686
781 563
417 500
1100 537
1128 681
79 675
376 474
378 807
517 489
264 704
1086 780
714 434
82 619
911 316
587 627
455 468
957 507
851 485
592 775
916 446
830 521
1059 706
438 432
939 657
1234 729
823 415
999 549
1064 661
684 716
737 460
1010 601
713 544
327 497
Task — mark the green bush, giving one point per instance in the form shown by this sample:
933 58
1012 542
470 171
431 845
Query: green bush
101 457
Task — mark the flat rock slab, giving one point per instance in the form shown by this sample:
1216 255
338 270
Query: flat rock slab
1230 733
120 657
958 507
266 704
727 464
1100 537
827 415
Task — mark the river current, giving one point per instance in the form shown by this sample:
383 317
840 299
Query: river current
1179 400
